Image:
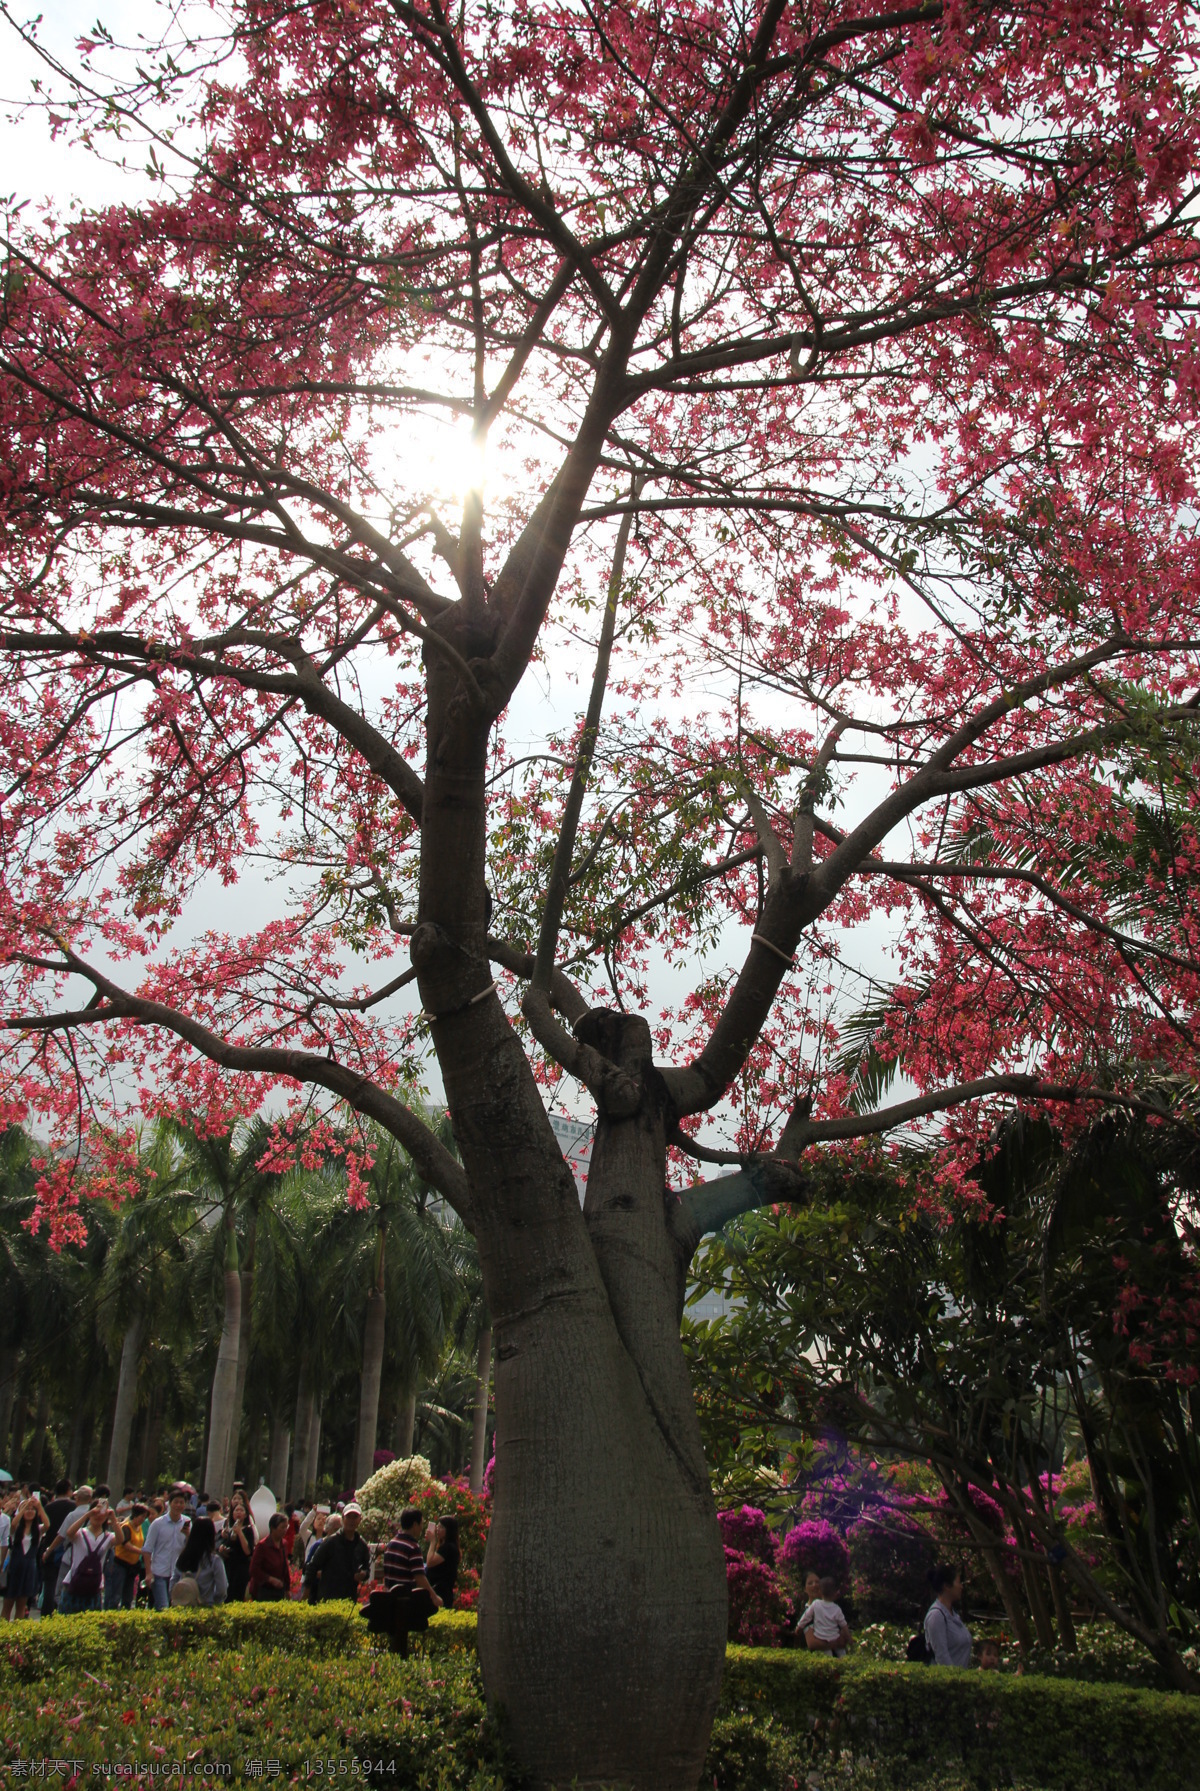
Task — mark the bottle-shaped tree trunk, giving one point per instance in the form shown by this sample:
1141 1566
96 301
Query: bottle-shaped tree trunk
483 1387
372 1366
602 1620
224 1385
126 1405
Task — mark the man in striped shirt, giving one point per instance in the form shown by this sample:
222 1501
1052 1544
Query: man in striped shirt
403 1562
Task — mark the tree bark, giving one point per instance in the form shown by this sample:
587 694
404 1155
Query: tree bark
277 1460
1032 1575
244 1340
603 1610
314 1446
126 1405
483 1387
153 1438
79 1443
374 1329
301 1433
215 1476
406 1424
1062 1610
37 1446
8 1393
16 1447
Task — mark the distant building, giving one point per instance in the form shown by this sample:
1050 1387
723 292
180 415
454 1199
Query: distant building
575 1141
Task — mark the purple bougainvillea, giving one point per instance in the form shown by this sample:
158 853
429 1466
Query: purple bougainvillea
758 1605
814 1546
745 1530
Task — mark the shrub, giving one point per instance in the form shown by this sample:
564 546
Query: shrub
96 1640
452 1498
238 1685
814 1546
890 1561
425 1727
384 1496
758 1606
746 1531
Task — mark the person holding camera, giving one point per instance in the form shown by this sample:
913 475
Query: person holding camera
88 1540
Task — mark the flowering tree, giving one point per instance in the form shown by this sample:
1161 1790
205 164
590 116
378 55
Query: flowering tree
837 371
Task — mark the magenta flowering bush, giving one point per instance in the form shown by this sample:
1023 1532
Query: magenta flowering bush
758 1606
891 1557
814 1546
745 1530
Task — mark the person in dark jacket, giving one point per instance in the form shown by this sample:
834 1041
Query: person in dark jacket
342 1563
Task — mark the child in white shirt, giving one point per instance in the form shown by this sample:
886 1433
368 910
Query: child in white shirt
823 1623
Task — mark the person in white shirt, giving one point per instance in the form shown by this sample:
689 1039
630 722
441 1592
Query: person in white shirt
160 1551
823 1622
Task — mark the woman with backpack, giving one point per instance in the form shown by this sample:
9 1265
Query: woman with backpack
28 1525
200 1564
947 1636
88 1541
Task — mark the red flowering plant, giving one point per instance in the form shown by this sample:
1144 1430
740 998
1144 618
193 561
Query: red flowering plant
746 1531
813 1546
759 1607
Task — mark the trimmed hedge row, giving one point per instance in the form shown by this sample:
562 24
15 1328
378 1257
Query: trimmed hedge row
292 1682
92 1640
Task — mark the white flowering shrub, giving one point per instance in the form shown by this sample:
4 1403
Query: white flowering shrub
384 1496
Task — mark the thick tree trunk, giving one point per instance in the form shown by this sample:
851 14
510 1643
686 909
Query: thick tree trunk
215 1475
374 1329
483 1387
406 1424
126 1405
277 1460
602 1616
602 1620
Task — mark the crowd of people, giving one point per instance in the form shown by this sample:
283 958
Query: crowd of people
78 1551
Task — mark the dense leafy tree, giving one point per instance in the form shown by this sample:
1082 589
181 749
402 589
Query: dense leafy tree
1059 1316
855 351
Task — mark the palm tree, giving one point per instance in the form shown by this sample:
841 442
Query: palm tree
137 1292
226 1168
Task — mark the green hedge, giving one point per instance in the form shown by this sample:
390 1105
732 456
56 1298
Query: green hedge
92 1640
294 1683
